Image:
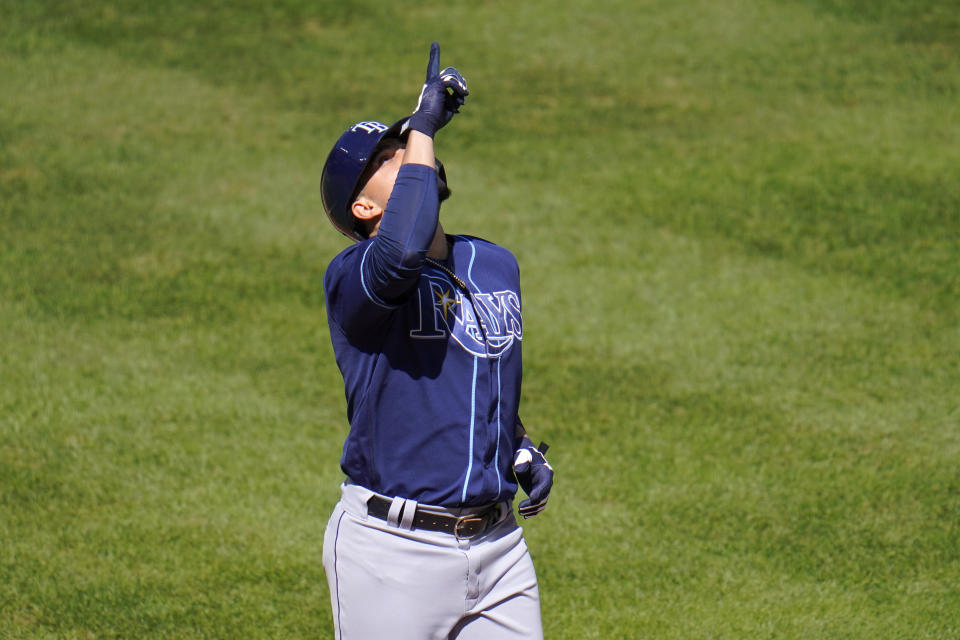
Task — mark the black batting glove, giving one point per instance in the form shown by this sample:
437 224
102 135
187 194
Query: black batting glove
442 96
535 476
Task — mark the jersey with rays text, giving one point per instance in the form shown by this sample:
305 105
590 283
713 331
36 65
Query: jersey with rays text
432 379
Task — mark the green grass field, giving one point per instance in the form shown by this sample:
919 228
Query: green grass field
738 225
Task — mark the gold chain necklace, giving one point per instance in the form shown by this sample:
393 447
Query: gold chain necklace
456 279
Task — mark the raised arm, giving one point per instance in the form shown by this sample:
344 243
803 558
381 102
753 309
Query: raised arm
409 221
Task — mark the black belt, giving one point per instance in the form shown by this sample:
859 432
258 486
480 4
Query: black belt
463 526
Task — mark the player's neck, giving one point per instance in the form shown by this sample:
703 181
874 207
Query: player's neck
438 246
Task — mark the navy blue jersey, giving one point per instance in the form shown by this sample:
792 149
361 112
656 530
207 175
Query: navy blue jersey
432 378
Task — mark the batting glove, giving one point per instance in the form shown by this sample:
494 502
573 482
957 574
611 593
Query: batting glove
442 96
535 476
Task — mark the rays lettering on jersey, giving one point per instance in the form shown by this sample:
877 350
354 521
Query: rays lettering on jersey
445 311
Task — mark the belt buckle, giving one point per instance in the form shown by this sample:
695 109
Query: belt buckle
466 520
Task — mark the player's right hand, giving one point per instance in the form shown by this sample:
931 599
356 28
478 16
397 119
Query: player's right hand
442 96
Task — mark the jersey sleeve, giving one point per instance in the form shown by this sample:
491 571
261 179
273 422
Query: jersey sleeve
369 280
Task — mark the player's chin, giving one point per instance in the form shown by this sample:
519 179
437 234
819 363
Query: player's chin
443 191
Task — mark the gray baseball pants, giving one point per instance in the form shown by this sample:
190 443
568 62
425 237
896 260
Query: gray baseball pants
388 581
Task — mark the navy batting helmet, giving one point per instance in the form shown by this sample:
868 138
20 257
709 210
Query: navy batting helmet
339 182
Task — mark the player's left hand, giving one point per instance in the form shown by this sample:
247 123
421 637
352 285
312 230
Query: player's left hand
535 476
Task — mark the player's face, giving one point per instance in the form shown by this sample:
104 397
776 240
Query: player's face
384 166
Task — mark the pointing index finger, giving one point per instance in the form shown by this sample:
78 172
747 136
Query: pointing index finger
433 67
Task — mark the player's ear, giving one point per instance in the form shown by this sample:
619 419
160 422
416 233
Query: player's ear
365 209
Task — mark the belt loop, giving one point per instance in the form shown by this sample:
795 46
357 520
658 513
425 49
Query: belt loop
393 516
409 510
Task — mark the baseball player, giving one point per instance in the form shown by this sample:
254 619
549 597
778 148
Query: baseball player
426 330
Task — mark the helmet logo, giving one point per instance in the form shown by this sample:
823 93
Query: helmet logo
370 127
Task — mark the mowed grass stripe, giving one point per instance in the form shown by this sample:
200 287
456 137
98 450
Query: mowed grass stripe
157 444
776 431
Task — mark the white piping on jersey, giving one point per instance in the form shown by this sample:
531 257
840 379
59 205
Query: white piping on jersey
486 350
473 403
473 256
496 457
473 422
476 309
374 298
